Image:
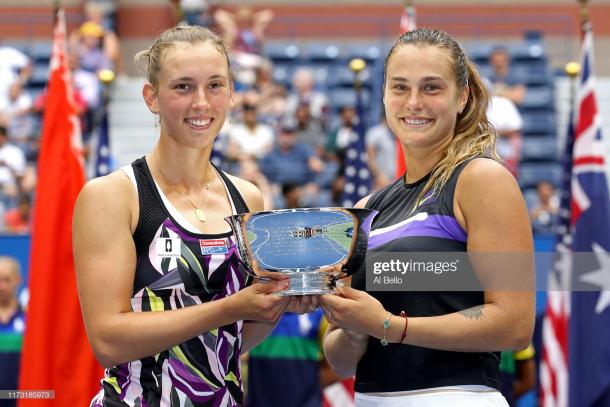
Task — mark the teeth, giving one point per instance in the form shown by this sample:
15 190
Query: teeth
416 122
200 123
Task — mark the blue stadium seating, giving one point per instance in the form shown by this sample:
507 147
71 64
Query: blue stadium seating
370 53
322 52
531 174
539 149
282 51
347 97
539 97
40 51
539 122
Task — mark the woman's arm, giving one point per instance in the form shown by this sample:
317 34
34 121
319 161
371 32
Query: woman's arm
490 207
105 260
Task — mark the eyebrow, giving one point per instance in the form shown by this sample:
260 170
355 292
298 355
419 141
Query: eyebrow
424 79
188 78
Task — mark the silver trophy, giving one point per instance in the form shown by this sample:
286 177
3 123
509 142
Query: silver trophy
314 246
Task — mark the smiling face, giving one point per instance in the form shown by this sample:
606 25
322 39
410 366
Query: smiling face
421 97
193 95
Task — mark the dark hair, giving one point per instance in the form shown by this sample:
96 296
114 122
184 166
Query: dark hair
153 57
3 130
474 136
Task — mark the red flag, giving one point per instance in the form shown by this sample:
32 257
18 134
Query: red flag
407 23
56 354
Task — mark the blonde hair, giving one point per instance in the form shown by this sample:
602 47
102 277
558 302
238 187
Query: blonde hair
152 58
474 135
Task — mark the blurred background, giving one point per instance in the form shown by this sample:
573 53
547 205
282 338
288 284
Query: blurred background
299 104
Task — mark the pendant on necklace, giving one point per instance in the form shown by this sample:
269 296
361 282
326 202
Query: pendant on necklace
200 215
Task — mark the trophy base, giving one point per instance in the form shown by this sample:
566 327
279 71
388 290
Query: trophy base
309 283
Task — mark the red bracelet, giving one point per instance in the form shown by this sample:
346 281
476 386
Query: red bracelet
404 332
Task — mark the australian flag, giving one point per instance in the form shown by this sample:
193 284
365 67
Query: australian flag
589 322
357 175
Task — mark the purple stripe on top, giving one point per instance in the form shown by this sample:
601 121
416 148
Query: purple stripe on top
442 226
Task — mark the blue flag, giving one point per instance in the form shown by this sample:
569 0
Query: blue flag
589 326
357 175
102 149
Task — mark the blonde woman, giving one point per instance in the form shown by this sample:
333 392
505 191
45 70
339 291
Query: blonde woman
435 348
167 308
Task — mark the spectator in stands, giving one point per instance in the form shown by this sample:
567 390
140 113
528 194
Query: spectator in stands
250 171
303 85
455 196
12 325
244 34
12 169
101 14
504 82
381 153
89 47
16 115
292 162
518 373
14 66
272 96
310 130
250 137
17 220
506 119
244 30
195 12
544 212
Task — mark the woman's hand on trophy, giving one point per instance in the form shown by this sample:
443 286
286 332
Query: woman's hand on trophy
354 311
258 302
302 304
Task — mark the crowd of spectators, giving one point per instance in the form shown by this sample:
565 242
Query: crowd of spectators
285 136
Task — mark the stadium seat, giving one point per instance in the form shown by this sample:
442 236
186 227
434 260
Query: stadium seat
283 52
322 52
530 174
40 76
347 97
479 52
343 76
370 53
539 122
539 149
532 51
40 51
538 97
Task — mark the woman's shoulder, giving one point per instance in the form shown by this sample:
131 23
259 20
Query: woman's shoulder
485 177
113 189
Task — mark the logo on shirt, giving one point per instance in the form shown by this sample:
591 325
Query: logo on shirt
213 246
168 247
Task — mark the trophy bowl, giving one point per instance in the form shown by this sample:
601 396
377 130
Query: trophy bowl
314 246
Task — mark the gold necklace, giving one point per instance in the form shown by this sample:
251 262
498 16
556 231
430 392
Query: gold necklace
199 213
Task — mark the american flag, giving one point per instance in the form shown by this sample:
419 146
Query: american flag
102 148
357 175
576 334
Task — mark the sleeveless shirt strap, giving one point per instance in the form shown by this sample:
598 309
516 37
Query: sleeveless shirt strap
238 200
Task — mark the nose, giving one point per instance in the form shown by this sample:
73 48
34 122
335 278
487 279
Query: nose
200 99
414 100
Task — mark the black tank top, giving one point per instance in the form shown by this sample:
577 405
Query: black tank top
398 367
178 268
